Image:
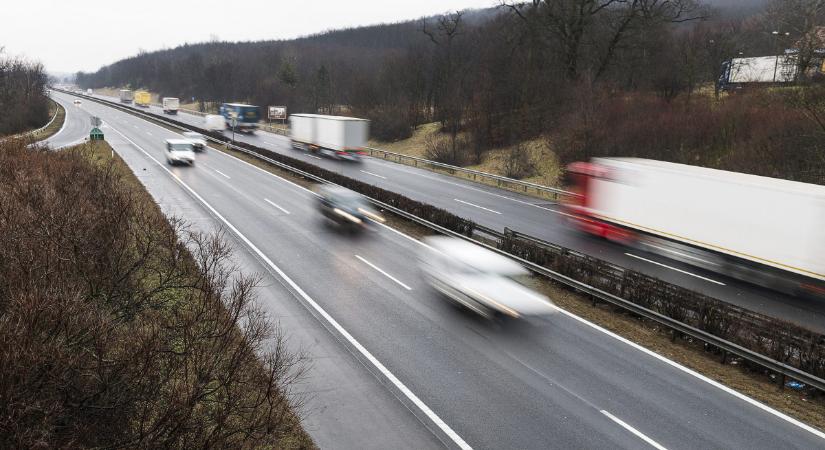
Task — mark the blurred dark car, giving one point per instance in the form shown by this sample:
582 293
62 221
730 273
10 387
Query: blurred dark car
345 207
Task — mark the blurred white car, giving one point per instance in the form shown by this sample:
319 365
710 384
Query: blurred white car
198 140
77 101
179 151
481 280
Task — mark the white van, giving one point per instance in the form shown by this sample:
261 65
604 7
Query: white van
214 122
179 151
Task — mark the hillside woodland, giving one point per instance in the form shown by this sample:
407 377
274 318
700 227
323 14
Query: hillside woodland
585 77
22 95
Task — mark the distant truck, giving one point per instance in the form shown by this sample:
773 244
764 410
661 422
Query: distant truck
757 229
247 116
126 96
89 91
143 98
170 105
739 73
335 136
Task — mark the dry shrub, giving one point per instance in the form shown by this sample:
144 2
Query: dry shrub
758 133
518 162
119 330
444 149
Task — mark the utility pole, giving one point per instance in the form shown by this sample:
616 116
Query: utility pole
776 58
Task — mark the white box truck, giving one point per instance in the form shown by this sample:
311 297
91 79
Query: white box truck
335 136
126 96
170 105
763 230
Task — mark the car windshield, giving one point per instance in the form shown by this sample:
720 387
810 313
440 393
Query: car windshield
181 147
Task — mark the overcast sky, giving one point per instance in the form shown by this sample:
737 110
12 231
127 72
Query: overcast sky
72 35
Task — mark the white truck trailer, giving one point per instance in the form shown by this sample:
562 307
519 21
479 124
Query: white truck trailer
126 96
170 105
738 73
335 136
763 230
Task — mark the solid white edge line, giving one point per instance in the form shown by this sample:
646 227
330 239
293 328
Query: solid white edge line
65 121
373 174
479 207
605 331
383 273
341 330
275 205
638 433
674 269
697 375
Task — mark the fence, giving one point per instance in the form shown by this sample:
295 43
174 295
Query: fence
499 181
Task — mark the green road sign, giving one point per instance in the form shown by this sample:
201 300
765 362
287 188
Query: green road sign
96 134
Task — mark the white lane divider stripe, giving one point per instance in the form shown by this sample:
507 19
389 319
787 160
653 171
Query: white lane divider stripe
429 413
479 207
216 170
227 176
373 174
276 205
674 268
384 273
638 433
313 156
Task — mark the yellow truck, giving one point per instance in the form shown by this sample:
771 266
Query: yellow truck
142 98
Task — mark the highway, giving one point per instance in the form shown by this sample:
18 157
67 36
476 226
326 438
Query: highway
395 366
497 209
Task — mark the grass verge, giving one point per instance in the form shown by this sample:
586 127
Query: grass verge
55 126
544 167
129 329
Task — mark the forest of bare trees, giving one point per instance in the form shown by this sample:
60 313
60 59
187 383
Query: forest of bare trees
498 76
22 95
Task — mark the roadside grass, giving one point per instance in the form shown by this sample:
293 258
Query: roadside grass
140 333
546 168
287 431
56 125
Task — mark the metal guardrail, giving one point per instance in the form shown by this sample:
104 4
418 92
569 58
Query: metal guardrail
475 175
503 182
726 346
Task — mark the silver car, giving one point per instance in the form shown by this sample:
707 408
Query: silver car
479 279
198 140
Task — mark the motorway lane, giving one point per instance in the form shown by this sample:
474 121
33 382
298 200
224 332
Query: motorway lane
76 126
346 407
554 382
497 209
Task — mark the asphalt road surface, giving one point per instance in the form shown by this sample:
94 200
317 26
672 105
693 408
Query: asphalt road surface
497 209
395 366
